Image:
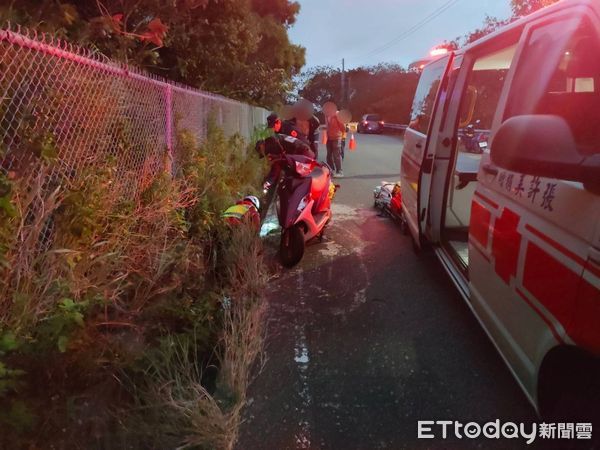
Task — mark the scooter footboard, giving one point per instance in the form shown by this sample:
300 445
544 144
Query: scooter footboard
314 223
291 193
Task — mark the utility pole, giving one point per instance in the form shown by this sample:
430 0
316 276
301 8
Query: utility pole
343 99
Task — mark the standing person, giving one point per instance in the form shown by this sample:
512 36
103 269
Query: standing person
307 123
335 130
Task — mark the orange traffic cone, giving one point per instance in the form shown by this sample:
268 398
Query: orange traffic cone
324 137
352 145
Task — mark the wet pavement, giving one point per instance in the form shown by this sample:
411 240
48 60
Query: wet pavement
365 338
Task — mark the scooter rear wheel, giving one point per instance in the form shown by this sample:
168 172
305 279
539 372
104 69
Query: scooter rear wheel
291 248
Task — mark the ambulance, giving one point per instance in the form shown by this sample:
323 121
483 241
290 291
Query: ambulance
515 217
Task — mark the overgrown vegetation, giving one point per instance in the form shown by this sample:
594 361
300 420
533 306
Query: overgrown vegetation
112 330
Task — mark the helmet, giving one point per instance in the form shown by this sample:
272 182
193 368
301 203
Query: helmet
271 119
254 200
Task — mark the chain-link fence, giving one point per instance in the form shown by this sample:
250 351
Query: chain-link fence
79 108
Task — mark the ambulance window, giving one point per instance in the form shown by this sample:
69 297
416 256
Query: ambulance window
425 95
481 98
565 81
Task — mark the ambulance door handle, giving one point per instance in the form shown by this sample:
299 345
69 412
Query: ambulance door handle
427 165
419 145
489 169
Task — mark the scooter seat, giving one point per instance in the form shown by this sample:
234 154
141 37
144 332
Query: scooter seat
319 179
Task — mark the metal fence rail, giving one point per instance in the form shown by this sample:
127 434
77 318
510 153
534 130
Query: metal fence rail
81 108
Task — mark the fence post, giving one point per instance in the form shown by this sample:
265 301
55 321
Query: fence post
169 165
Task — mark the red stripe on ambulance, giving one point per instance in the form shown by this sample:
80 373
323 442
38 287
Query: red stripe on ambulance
480 223
506 244
572 300
541 314
551 282
492 203
561 249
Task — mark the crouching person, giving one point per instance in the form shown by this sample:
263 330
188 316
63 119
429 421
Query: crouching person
245 211
222 250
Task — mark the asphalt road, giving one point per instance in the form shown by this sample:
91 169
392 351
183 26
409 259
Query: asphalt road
365 338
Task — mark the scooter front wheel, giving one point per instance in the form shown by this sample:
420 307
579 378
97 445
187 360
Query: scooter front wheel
291 248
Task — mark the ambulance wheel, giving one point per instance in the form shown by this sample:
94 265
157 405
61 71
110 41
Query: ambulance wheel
291 248
569 388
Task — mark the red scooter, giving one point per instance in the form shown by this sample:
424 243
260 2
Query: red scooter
305 192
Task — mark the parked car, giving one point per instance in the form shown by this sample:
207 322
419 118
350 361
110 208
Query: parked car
514 215
370 123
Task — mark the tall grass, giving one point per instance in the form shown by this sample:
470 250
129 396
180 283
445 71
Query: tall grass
184 412
109 301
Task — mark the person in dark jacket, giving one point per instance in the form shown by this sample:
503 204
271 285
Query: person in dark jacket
305 120
277 145
311 127
285 127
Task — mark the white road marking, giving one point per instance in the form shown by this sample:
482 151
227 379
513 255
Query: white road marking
302 360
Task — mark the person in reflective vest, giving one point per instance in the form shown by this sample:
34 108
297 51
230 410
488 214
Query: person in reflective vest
245 211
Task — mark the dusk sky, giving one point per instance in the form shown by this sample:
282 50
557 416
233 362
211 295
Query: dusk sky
367 32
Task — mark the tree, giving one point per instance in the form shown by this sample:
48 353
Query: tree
281 10
320 85
519 9
522 8
228 48
238 48
490 24
384 89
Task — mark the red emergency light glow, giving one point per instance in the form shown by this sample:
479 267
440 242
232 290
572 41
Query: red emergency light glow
438 51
